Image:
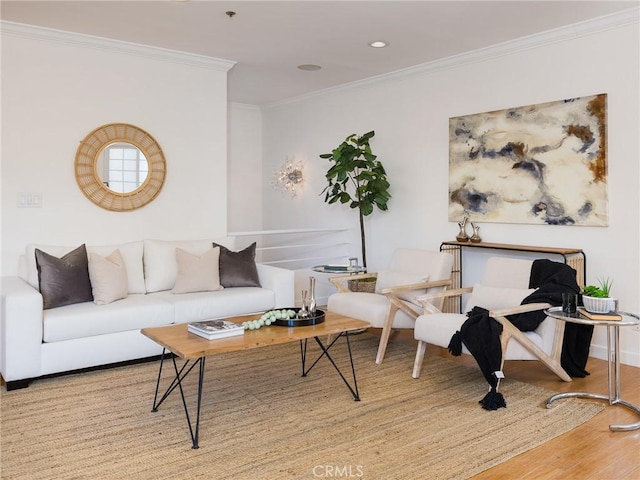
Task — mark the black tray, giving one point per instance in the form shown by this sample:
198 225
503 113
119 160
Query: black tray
317 317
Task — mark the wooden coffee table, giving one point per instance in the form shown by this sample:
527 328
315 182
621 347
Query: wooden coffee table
194 350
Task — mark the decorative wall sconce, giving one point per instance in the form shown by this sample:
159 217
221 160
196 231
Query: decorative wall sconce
289 177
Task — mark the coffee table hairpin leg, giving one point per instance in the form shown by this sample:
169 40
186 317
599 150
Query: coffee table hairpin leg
177 382
325 352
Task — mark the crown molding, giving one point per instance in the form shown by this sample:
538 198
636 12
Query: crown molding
243 106
557 35
114 46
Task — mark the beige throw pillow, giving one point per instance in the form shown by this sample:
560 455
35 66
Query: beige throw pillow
108 277
197 273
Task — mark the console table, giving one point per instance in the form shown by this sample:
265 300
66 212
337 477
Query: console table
574 257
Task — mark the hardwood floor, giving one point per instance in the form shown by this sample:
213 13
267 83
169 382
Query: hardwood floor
589 452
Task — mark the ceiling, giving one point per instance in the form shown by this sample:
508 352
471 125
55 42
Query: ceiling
268 39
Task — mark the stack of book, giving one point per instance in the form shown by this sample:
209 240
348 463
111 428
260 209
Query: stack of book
214 329
600 316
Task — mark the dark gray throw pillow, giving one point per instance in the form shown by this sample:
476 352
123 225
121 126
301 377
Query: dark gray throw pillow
64 281
238 269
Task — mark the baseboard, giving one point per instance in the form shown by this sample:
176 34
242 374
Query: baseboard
626 357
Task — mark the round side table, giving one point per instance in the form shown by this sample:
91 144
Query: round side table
338 269
342 270
613 361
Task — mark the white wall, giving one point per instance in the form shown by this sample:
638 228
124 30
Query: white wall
245 168
56 88
410 115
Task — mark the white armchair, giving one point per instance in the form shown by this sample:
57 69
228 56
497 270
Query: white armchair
502 289
393 305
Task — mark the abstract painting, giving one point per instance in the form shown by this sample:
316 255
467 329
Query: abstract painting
537 164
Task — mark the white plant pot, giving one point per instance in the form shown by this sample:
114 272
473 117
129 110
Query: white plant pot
597 305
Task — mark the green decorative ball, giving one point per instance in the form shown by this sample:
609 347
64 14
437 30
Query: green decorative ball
267 318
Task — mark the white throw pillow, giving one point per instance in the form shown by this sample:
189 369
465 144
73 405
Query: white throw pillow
393 278
108 277
197 273
492 298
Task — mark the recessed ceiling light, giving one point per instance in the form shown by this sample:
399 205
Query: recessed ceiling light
378 44
309 67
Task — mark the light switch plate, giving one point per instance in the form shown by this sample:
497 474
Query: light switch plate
29 200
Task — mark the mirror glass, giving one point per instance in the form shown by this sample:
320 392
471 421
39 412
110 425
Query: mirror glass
120 167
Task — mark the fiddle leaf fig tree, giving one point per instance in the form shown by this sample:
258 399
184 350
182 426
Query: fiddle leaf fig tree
357 178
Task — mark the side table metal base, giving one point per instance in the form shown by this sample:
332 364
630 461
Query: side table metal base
613 363
595 396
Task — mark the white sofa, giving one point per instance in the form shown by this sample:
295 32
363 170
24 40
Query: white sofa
36 342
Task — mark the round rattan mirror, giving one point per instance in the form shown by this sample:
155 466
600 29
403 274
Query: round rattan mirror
120 167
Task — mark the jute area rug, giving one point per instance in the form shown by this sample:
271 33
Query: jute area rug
262 420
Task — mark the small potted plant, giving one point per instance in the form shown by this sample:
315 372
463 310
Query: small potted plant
597 299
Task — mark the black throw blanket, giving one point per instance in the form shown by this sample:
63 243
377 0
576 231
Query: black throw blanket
480 333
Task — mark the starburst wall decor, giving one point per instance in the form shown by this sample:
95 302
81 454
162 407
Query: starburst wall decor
289 178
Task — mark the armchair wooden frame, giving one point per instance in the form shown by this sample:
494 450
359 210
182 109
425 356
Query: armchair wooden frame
509 331
395 302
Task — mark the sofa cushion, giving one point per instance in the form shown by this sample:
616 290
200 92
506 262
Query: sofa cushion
63 281
108 277
492 298
191 307
160 265
88 319
131 254
197 273
238 269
